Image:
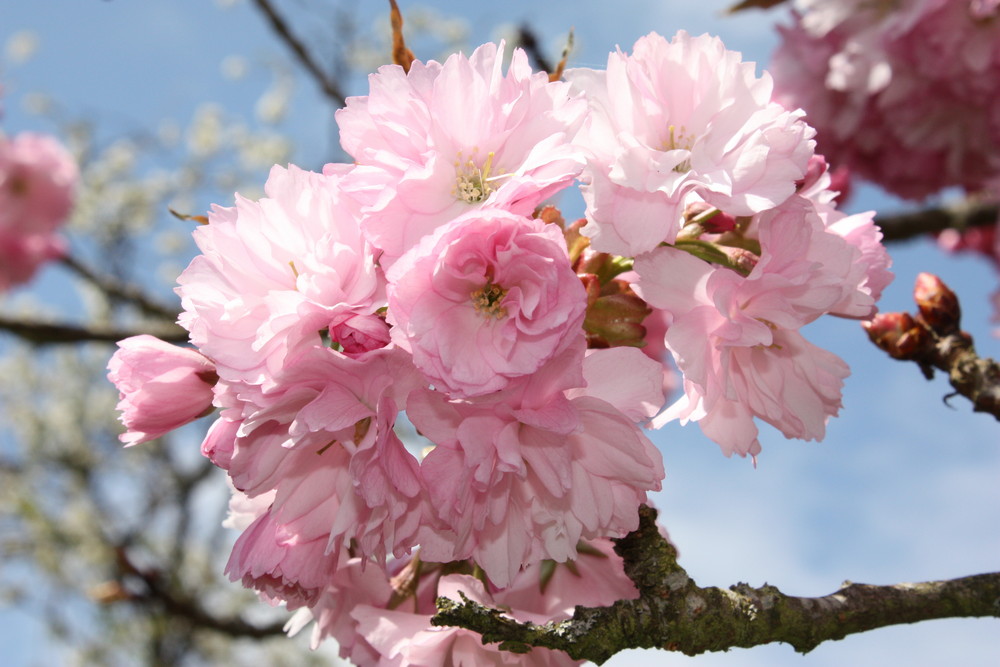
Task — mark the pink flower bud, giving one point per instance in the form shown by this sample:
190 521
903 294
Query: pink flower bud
162 387
938 305
898 334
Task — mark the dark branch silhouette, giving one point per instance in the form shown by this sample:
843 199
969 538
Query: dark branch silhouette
115 289
50 333
280 26
182 606
915 224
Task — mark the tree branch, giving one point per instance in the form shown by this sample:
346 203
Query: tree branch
673 613
187 608
114 288
45 333
933 339
281 28
527 40
911 225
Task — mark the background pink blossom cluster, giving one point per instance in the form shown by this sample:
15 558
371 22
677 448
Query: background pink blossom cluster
901 92
419 288
37 181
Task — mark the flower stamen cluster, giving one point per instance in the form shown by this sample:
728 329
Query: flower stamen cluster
474 184
487 301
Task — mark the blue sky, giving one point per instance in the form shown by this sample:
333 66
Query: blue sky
903 488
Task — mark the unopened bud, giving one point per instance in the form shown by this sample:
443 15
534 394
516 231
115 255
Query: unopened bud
710 219
901 336
603 265
616 319
939 308
742 259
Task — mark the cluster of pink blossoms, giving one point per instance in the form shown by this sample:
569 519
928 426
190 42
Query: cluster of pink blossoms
903 92
37 180
422 285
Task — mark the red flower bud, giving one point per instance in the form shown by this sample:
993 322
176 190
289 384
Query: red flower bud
901 336
939 308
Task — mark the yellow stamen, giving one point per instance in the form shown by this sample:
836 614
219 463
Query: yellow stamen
486 301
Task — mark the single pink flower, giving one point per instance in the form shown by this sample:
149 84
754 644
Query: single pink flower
324 439
487 298
446 138
736 338
512 492
278 273
37 180
162 386
860 231
21 255
282 560
676 120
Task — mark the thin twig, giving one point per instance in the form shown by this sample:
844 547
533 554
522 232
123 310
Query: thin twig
187 608
281 28
934 340
114 288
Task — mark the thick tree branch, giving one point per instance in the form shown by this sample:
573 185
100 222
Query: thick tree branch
46 333
911 225
281 28
674 613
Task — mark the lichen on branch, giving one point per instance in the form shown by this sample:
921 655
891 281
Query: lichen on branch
674 613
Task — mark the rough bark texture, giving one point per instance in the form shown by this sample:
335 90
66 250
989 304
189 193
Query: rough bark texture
674 613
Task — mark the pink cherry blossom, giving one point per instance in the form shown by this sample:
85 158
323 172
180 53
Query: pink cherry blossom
675 119
736 338
285 562
277 272
902 93
860 231
353 585
627 379
487 298
37 179
445 138
325 441
162 386
516 484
